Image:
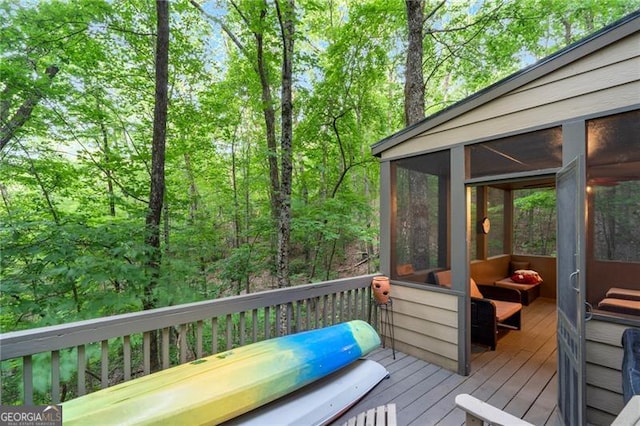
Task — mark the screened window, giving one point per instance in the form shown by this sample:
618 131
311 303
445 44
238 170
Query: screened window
420 197
613 174
613 193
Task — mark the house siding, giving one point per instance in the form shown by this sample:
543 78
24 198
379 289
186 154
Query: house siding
426 325
603 369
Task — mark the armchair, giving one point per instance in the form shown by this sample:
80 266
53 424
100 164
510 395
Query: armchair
491 307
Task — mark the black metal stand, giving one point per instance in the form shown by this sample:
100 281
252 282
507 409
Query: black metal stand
384 316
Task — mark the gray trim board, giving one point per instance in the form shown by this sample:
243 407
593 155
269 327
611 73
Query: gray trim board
385 218
459 254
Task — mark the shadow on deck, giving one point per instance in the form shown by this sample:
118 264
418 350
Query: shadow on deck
519 378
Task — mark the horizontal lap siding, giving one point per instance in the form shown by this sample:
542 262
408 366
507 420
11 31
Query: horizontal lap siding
603 81
426 325
604 377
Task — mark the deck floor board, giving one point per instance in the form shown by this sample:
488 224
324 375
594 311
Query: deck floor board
519 377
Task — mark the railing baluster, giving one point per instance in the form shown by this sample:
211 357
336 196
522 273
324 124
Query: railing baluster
166 338
342 306
182 341
146 353
27 379
242 326
254 319
278 320
298 316
229 331
199 339
307 314
55 377
267 322
316 316
349 306
82 365
104 364
214 335
126 346
289 315
324 310
333 309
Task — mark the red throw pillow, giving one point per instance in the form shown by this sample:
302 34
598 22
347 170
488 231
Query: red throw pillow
526 276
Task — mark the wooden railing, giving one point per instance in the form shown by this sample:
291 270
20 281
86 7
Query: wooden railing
74 359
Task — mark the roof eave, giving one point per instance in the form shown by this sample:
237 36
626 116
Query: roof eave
618 30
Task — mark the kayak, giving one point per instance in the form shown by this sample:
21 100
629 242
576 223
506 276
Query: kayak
220 387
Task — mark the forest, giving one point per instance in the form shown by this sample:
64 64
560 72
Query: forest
157 153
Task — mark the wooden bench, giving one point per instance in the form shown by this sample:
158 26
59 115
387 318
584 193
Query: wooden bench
528 292
384 415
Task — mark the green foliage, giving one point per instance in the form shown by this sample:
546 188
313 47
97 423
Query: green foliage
75 178
534 222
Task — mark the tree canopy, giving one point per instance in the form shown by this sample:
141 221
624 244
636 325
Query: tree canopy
78 81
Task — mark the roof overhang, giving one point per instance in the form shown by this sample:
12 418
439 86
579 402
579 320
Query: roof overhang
608 35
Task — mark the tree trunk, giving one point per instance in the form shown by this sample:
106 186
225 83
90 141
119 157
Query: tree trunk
23 113
286 17
156 196
107 168
413 113
269 118
414 79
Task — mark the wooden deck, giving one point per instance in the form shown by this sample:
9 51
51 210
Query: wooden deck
519 378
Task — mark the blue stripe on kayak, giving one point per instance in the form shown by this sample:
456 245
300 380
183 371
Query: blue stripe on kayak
327 349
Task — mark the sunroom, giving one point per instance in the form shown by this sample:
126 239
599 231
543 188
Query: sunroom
536 178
